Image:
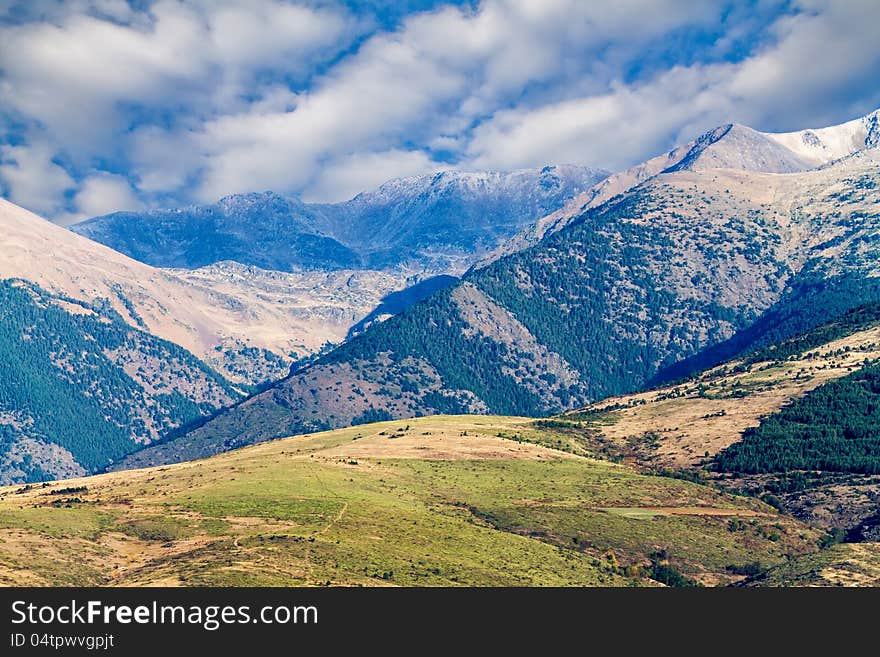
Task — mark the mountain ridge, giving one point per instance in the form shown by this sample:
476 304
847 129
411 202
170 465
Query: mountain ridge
248 323
843 140
430 224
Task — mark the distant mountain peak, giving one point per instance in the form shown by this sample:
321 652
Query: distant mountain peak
736 146
434 222
727 146
461 179
267 195
820 146
248 201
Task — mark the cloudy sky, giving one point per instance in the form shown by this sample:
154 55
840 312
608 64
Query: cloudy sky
115 104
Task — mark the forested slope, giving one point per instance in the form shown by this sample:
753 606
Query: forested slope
80 388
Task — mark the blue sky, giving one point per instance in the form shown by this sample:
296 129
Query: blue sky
108 105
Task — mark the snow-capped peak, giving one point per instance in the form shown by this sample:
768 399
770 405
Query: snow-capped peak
479 182
822 145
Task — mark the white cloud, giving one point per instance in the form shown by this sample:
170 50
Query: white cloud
434 77
821 56
103 193
821 68
161 160
349 175
613 130
82 76
69 79
383 95
31 178
264 32
199 99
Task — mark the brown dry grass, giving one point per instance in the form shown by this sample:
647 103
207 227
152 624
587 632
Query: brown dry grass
442 440
689 425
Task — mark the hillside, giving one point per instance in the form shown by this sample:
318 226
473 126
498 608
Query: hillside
795 424
80 388
434 224
709 411
448 501
849 564
687 269
245 322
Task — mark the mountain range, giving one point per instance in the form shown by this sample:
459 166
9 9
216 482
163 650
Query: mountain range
726 147
135 353
731 242
436 224
668 377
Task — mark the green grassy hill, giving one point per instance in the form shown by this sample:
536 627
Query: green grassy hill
435 501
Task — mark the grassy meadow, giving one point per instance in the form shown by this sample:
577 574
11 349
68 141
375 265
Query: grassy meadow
439 501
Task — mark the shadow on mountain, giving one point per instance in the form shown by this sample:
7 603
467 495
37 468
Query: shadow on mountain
397 302
809 304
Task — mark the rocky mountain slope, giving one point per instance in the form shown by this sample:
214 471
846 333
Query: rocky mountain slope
435 224
731 146
693 257
247 323
287 317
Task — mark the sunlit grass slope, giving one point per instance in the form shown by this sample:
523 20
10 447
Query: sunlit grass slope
433 501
